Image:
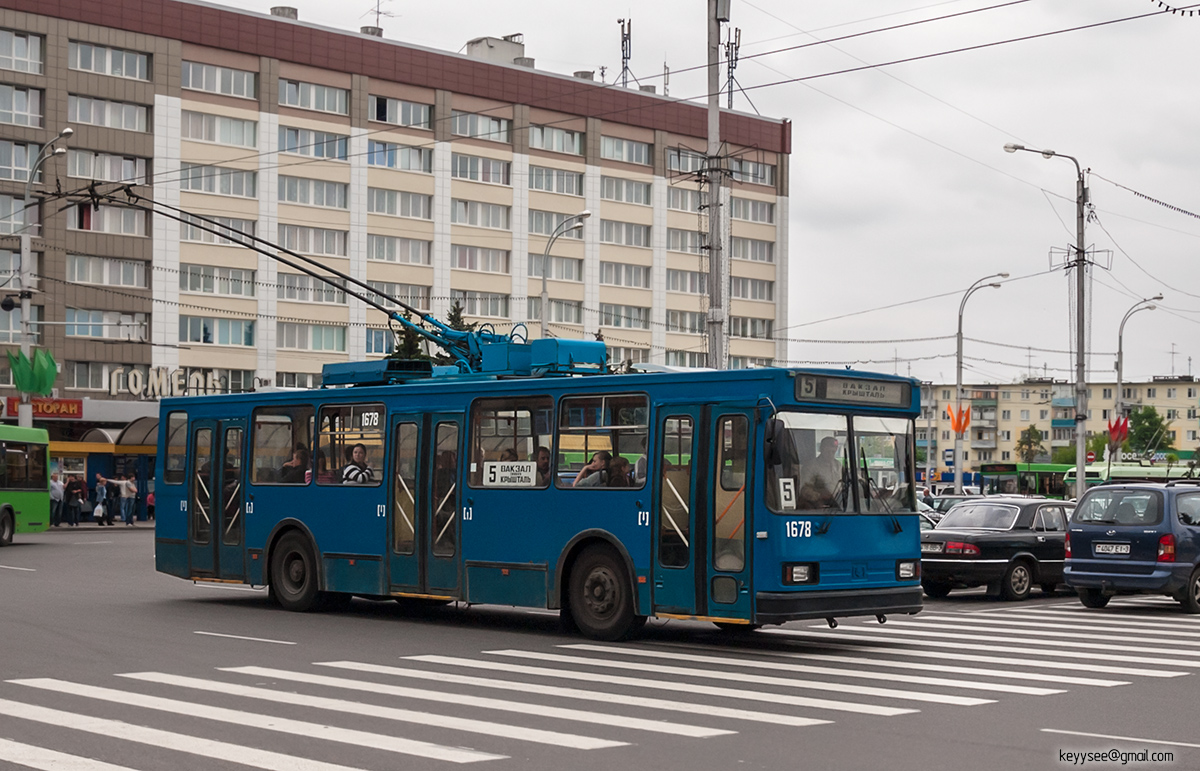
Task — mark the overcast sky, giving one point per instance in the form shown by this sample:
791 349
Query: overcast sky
900 188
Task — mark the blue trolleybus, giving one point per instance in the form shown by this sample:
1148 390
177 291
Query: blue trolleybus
743 497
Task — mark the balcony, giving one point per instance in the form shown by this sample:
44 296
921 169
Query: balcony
983 444
1062 423
1063 401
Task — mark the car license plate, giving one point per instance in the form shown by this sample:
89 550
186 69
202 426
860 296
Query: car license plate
931 548
1112 548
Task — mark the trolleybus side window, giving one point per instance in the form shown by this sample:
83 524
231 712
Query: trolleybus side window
231 488
510 442
885 466
25 466
201 504
812 472
175 470
445 490
405 493
729 494
351 445
601 440
676 494
282 445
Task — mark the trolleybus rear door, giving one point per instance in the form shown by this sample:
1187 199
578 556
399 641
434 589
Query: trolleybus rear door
677 499
730 486
407 452
199 503
229 515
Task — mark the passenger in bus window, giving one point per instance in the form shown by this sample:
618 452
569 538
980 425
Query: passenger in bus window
357 472
619 473
324 475
542 457
292 472
594 474
508 455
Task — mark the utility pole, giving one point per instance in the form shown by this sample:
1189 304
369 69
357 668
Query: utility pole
718 349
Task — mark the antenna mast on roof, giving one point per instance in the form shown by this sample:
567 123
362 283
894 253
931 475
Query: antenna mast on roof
626 49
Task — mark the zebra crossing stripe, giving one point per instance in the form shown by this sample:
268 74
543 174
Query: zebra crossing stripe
1081 637
265 722
1108 618
741 677
1070 629
49 760
806 668
668 685
710 710
467 725
193 745
520 707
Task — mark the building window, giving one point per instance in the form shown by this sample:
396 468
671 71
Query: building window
1191 413
556 140
1006 436
108 61
687 281
1191 393
1006 395
622 274
754 172
752 289
1172 414
409 294
110 325
219 80
684 199
85 375
631 316
380 342
742 326
20 51
229 230
479 259
687 322
402 157
311 337
687 359
546 222
399 203
298 379
486 304
624 233
218 129
395 249
15 160
10 268
102 167
1024 415
561 268
297 287
318 241
625 190
1170 393
689 241
10 328
480 215
313 192
556 180
197 329
1043 414
398 112
105 271
561 311
618 354
14 217
316 144
1151 393
685 161
107 219
752 211
752 249
312 96
1006 414
23 107
218 180
750 362
99 112
479 169
626 150
465 124
207 279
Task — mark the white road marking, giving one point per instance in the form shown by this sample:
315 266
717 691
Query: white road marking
1091 666
1134 739
668 685
89 543
50 760
1037 624
25 570
1078 640
240 637
192 745
798 667
499 705
776 718
1108 618
741 677
265 722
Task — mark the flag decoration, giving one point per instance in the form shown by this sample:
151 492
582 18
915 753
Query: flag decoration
960 419
33 377
1118 432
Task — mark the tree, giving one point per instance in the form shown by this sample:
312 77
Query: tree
409 344
1029 445
1096 444
1148 432
1064 455
454 320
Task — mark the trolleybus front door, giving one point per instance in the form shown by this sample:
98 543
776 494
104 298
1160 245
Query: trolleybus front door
678 499
201 480
215 501
229 516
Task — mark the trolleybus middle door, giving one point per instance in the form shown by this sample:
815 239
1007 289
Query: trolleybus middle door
202 477
229 507
678 499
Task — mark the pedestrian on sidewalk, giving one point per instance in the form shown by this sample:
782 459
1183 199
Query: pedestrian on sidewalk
73 496
56 500
150 506
112 500
128 487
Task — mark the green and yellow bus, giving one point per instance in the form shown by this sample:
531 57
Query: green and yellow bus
24 482
1046 479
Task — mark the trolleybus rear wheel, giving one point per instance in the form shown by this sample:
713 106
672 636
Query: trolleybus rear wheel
6 528
601 596
294 574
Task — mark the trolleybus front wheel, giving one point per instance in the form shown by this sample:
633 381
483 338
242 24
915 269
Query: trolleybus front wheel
294 573
601 597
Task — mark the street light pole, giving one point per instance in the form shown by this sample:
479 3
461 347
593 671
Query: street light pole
25 408
958 391
1080 265
1141 305
574 222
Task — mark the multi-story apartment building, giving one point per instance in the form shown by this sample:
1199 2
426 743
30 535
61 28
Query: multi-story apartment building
999 413
435 177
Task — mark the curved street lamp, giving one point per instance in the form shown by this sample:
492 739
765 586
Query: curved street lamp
1141 305
574 222
958 393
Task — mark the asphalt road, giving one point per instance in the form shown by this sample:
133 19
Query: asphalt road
107 665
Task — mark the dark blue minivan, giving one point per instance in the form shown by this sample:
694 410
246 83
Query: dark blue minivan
1136 538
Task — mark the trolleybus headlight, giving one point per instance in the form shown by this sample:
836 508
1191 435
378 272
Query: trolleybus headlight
800 573
908 570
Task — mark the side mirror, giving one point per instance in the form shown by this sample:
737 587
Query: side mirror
773 435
